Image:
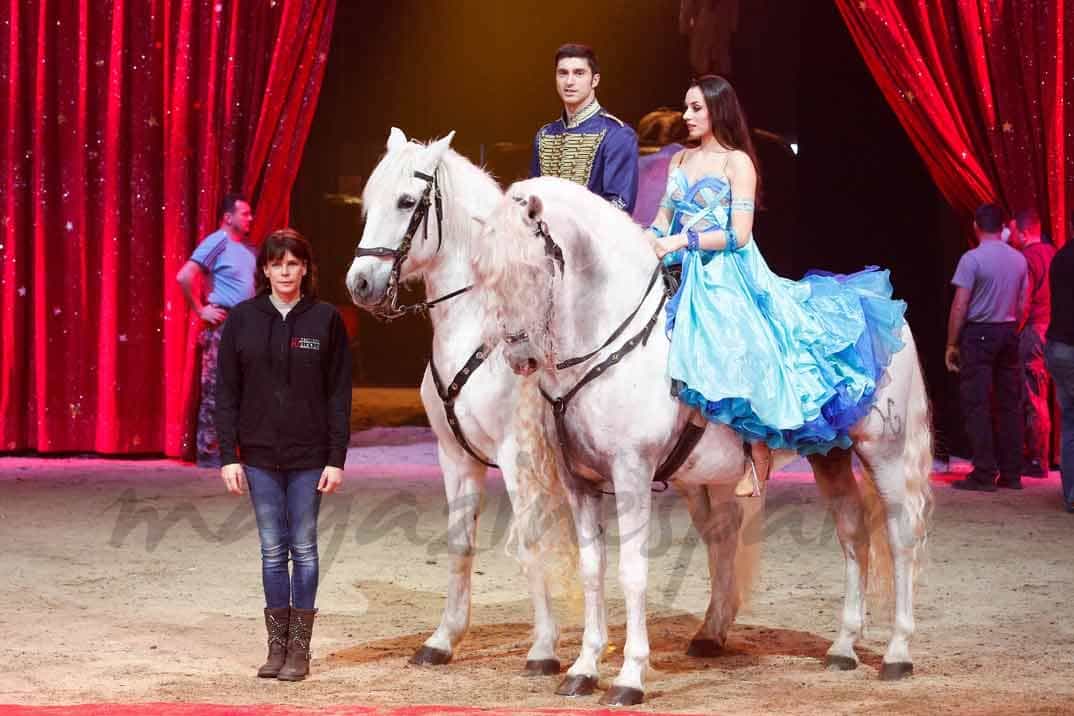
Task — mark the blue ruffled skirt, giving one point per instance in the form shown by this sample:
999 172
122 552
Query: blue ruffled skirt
792 363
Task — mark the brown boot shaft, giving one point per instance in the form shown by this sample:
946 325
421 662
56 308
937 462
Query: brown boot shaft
297 665
277 622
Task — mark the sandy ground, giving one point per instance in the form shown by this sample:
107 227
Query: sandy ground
139 581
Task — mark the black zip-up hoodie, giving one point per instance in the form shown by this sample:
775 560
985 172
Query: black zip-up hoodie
283 396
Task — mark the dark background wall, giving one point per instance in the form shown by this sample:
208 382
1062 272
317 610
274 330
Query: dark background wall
856 194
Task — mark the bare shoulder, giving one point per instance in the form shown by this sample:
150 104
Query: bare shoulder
739 161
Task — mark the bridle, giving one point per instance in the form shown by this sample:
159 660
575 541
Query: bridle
389 308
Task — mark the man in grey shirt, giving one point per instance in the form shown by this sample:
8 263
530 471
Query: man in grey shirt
982 347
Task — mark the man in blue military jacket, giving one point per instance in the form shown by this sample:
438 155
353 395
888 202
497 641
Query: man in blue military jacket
587 144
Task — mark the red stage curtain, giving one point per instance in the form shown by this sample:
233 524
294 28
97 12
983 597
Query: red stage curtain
121 126
985 89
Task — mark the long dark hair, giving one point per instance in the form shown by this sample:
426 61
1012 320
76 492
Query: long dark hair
727 117
275 246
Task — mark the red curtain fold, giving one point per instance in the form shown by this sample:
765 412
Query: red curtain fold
122 125
985 90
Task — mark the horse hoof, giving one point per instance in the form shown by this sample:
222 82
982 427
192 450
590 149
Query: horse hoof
622 696
541 667
428 656
896 671
580 685
837 662
704 648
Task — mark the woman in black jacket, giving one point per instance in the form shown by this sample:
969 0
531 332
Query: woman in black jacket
283 420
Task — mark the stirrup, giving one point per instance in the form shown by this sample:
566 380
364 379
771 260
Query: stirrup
750 485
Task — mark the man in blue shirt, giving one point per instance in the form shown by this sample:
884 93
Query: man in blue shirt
586 144
982 347
229 263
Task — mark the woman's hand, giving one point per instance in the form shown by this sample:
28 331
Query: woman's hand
234 478
331 479
660 246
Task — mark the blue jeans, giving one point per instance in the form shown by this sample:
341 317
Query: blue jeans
286 504
1060 359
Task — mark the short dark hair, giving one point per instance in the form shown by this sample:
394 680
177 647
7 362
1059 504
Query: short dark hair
1027 220
275 246
989 218
575 49
227 204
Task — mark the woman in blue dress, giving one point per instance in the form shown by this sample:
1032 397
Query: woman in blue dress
788 364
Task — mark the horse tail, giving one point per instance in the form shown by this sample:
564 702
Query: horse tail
917 503
542 530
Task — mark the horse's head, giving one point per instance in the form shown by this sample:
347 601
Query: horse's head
403 220
559 267
517 267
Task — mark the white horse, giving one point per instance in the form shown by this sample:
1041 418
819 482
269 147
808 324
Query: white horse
403 240
440 252
563 269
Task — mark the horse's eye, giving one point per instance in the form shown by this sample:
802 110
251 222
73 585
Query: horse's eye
407 202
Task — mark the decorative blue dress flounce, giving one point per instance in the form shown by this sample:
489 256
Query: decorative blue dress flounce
792 363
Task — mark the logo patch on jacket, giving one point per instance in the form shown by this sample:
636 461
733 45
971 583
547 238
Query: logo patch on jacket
306 344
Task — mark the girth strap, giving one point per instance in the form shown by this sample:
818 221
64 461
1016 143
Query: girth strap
559 405
688 439
451 392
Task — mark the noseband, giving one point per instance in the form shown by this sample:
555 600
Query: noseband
389 308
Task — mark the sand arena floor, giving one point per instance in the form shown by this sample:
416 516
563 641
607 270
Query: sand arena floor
139 581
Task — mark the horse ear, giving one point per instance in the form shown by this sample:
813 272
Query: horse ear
396 139
437 149
534 207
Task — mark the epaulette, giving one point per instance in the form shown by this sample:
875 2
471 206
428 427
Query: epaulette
547 126
613 118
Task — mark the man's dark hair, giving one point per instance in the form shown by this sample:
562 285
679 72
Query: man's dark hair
574 49
989 218
227 204
1028 220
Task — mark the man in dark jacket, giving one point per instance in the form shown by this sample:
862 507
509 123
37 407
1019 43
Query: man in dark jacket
1059 353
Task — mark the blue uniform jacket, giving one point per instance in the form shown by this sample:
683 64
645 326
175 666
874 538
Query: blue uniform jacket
594 149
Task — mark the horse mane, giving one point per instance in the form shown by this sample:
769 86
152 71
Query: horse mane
592 214
467 190
514 270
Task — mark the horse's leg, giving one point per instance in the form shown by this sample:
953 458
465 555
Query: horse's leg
633 503
895 447
722 522
463 485
835 478
697 502
904 509
581 679
541 659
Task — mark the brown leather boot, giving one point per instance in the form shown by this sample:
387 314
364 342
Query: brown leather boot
276 623
297 665
760 456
